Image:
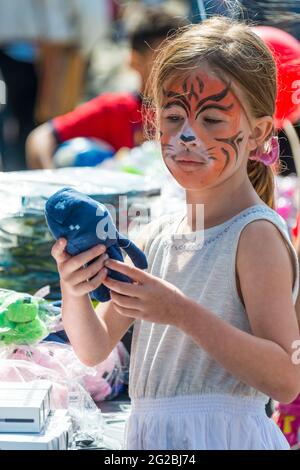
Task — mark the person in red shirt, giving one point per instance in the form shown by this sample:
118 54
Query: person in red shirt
114 118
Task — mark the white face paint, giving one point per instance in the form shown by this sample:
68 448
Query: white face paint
188 147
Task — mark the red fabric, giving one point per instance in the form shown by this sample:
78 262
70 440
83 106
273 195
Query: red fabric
112 117
286 52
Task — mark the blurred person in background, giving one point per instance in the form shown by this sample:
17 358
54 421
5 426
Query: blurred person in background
44 48
114 118
17 65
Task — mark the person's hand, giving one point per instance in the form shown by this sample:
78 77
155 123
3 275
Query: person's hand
77 279
148 298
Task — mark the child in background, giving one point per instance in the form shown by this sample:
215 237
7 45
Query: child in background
114 118
214 322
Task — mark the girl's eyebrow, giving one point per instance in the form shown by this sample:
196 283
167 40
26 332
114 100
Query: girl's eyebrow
215 98
179 103
177 99
215 106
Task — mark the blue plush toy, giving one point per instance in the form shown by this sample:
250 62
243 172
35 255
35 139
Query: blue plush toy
84 223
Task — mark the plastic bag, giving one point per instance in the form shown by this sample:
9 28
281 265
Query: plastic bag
66 394
103 382
75 386
23 371
25 319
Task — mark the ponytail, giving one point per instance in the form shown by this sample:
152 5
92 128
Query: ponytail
262 178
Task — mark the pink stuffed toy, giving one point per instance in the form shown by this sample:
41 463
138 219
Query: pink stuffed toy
102 382
23 371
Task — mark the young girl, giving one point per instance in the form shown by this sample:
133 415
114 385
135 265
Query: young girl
214 322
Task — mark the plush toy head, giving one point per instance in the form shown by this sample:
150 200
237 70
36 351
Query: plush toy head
19 319
80 219
22 310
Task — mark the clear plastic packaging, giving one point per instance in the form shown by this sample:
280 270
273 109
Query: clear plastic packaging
102 382
25 319
75 387
66 394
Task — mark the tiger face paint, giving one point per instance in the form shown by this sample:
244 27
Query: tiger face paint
201 128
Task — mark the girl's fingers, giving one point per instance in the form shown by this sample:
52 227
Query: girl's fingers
84 274
58 251
124 288
127 312
76 262
88 286
134 273
124 301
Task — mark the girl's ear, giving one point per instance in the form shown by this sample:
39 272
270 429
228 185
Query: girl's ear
261 130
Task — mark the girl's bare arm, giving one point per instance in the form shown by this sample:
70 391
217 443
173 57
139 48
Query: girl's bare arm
263 359
93 333
91 337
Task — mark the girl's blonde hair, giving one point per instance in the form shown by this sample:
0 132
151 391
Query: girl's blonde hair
233 48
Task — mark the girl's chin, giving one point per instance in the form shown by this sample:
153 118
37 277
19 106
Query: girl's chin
194 184
190 177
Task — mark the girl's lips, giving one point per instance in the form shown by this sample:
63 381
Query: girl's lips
189 165
197 162
189 162
191 158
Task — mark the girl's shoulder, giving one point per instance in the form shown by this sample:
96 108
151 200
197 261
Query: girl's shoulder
260 224
263 235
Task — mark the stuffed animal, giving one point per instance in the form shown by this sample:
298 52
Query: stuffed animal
21 320
104 381
84 223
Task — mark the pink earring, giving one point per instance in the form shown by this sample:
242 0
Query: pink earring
270 157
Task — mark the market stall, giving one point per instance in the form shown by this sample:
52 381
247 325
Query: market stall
87 407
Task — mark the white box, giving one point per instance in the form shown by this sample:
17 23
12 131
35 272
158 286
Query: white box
24 406
56 435
40 384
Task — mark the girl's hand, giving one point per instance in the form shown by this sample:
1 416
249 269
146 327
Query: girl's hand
76 279
148 298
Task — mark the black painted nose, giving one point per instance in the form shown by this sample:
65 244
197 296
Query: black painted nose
189 138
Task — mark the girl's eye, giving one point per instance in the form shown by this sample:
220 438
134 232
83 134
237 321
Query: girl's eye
212 121
174 118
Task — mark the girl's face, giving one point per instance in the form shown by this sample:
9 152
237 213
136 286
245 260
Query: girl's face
204 130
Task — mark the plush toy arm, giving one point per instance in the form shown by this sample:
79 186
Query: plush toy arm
102 293
137 256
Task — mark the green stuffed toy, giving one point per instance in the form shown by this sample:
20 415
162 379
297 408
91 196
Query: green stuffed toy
21 318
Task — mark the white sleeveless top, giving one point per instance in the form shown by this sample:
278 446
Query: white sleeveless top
166 362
